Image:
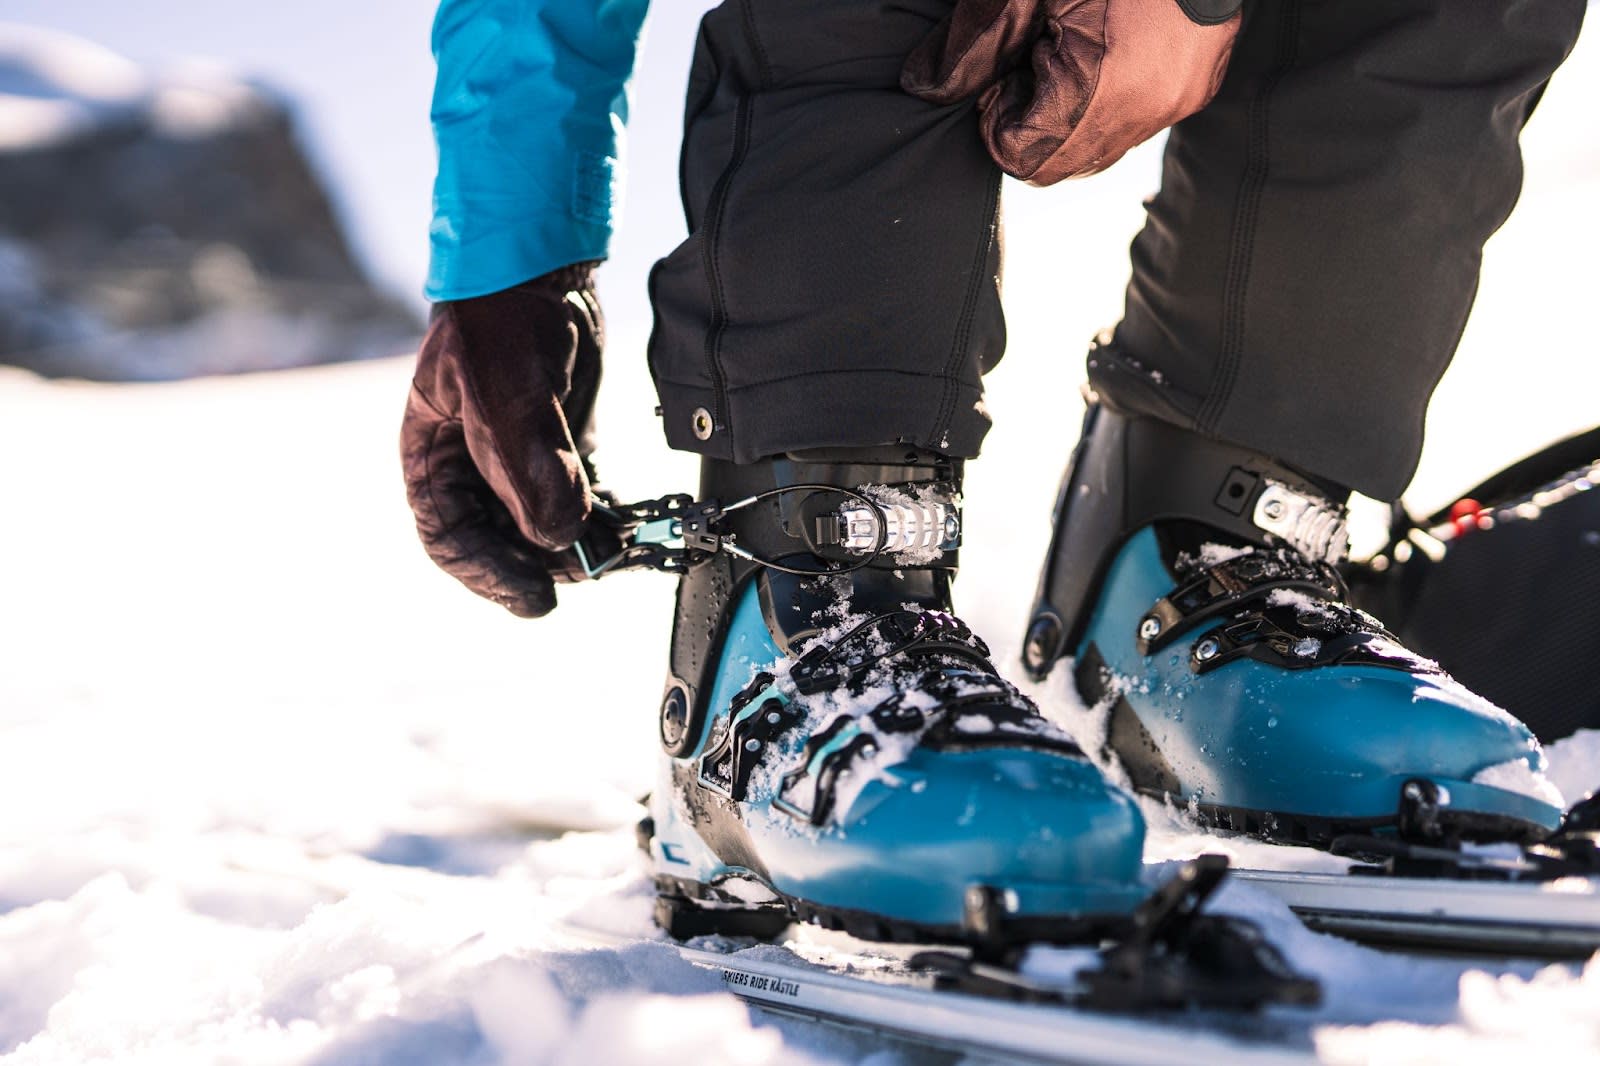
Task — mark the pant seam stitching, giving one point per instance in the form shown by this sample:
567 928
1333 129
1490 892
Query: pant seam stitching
964 325
713 265
716 213
753 36
1246 216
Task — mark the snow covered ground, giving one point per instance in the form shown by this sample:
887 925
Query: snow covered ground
272 790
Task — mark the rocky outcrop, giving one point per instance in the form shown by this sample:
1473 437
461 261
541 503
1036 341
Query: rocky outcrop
158 228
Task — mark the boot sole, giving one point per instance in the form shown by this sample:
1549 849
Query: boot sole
686 909
1311 831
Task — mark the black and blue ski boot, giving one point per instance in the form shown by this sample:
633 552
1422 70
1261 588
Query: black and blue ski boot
839 747
1194 584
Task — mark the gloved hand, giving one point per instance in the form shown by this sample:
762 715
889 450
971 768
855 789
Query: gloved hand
497 433
1065 87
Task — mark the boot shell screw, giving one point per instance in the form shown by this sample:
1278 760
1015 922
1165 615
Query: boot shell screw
674 718
1150 628
1273 509
700 422
1207 650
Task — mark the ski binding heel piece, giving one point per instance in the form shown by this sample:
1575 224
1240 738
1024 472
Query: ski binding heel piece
1427 846
1165 955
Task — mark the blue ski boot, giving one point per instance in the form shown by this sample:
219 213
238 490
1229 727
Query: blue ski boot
841 750
1195 585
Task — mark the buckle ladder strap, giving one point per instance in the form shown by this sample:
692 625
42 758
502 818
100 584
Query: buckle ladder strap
842 529
1322 630
1313 526
832 766
727 767
1282 638
829 666
1226 587
940 659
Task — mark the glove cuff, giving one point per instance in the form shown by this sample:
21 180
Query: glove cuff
565 279
560 281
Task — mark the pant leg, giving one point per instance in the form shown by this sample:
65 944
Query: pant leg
1306 269
839 283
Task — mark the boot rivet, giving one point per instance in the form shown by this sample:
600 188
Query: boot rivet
674 718
773 717
1273 509
1150 628
752 745
700 422
1207 650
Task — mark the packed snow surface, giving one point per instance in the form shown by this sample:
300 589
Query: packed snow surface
276 791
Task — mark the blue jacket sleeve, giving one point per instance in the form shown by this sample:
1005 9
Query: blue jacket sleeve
528 115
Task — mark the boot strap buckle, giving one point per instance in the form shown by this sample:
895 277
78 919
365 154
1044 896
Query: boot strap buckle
1313 526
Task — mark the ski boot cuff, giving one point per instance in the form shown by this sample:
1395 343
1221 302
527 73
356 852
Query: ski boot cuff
1130 472
886 520
840 747
1194 584
820 511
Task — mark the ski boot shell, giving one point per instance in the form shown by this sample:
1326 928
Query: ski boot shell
1303 754
1235 679
870 775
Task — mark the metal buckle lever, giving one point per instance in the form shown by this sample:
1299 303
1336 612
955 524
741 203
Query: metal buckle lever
644 535
673 533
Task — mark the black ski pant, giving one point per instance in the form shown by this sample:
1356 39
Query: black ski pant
1299 286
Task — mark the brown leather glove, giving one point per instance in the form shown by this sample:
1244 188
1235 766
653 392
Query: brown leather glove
497 433
1065 87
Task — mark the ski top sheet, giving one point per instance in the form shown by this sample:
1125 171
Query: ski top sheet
903 1003
1559 918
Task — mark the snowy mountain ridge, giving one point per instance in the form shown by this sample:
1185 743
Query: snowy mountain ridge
55 86
162 225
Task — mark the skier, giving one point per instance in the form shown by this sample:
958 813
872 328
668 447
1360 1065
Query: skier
840 747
